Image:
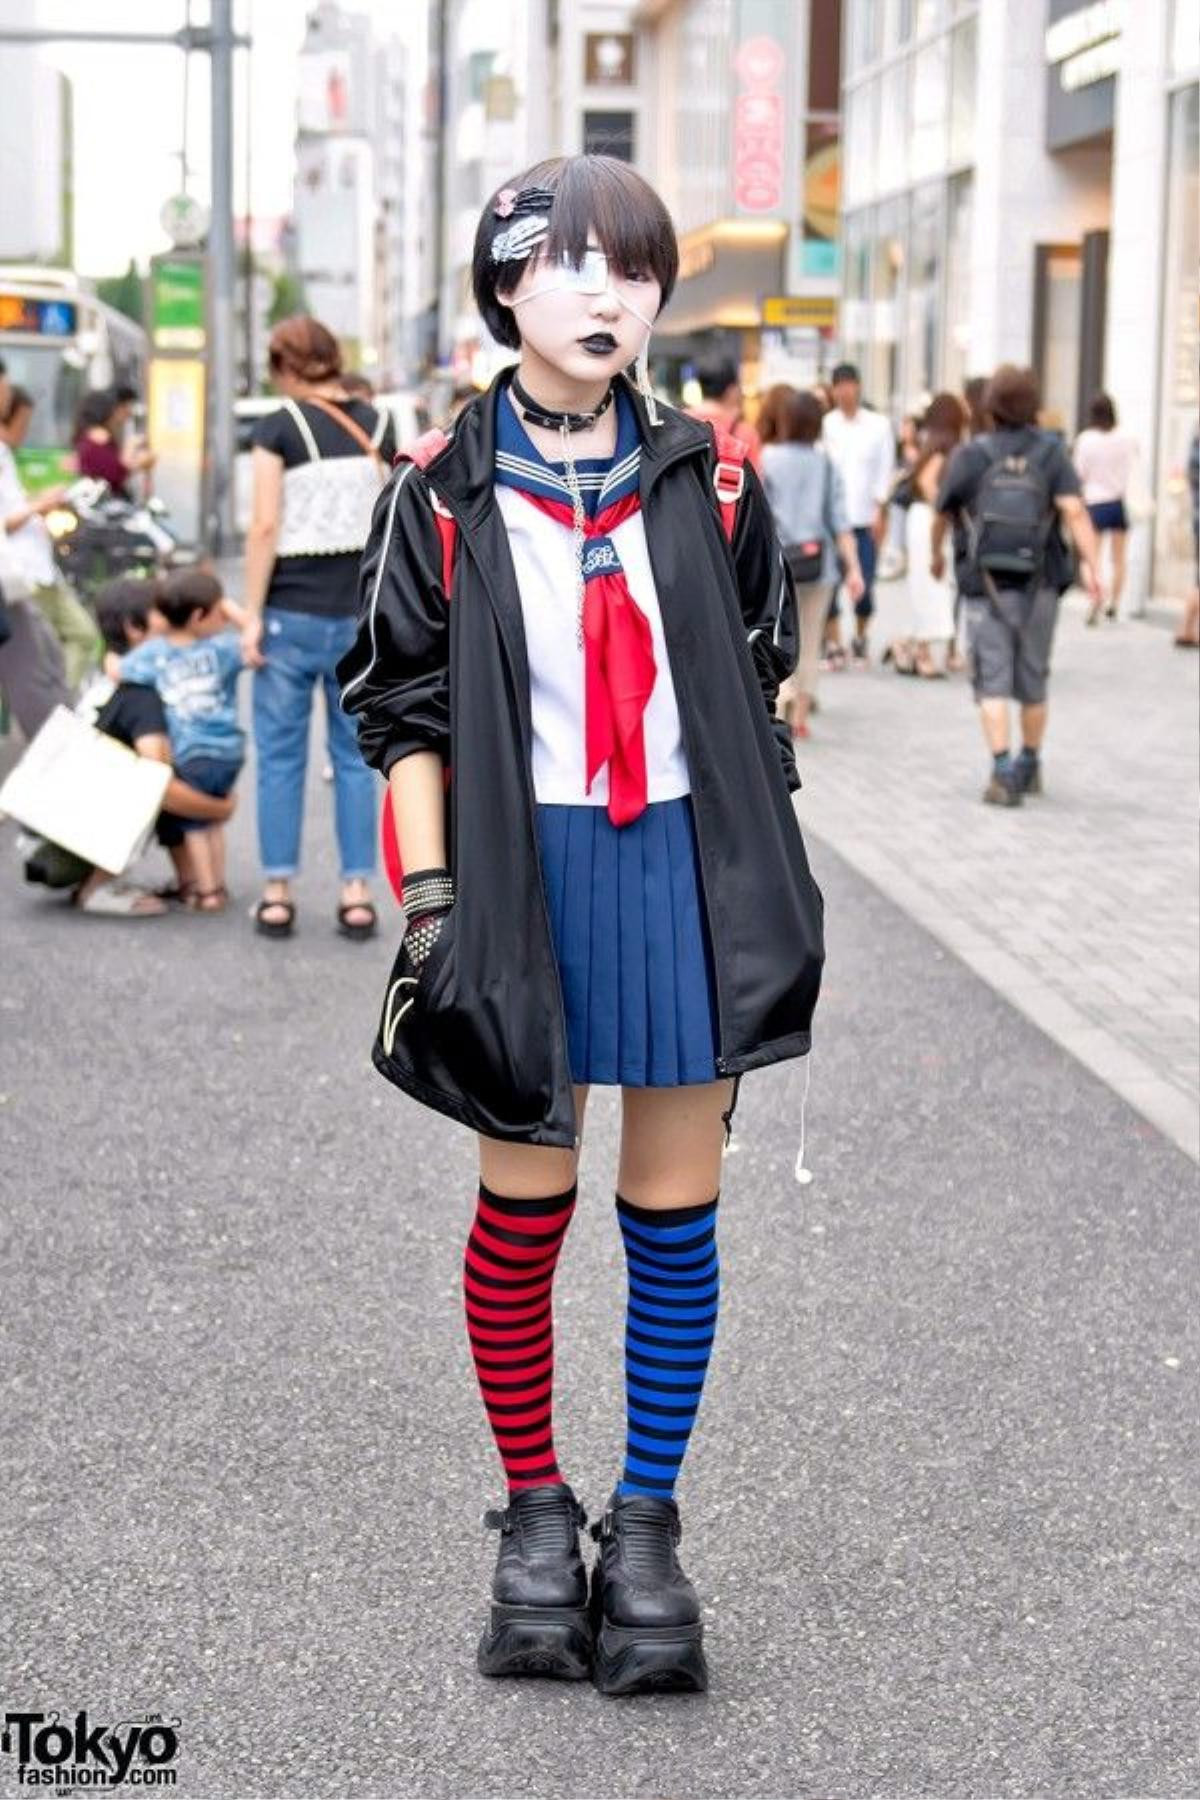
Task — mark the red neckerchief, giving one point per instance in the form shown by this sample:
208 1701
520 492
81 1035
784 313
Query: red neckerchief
619 666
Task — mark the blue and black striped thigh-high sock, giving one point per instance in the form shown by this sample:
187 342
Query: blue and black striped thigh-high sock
674 1295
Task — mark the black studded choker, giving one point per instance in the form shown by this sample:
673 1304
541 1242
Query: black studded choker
557 421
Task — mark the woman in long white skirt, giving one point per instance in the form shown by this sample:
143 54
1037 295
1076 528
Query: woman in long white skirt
930 599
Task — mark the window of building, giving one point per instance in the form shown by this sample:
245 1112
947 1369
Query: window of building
608 134
864 22
930 108
957 334
893 125
882 364
1174 570
922 351
856 287
963 47
1185 36
862 122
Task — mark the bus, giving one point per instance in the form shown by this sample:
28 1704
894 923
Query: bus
58 340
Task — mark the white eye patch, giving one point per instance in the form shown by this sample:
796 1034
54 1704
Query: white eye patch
592 276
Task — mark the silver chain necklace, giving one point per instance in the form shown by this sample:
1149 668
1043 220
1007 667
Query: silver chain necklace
578 536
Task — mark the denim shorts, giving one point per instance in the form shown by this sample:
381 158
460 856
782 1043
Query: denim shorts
212 775
1109 515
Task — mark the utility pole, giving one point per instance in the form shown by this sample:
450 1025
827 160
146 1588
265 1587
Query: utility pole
221 278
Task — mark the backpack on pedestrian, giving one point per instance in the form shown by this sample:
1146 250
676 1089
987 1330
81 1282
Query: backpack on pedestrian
1012 519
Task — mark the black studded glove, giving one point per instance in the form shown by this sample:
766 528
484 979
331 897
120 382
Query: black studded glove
428 897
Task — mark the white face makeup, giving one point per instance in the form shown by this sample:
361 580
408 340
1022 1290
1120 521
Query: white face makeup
589 321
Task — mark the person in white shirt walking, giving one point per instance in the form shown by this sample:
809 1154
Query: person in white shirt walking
861 445
31 551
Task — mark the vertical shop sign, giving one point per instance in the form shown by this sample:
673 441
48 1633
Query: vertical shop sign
763 109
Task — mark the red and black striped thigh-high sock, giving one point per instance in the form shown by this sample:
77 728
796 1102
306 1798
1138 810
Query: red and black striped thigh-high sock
508 1277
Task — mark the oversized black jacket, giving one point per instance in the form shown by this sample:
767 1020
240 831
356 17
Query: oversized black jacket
484 1039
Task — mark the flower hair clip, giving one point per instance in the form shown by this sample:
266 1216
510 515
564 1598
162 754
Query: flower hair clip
506 199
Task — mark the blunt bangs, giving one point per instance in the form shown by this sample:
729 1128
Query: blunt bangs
597 194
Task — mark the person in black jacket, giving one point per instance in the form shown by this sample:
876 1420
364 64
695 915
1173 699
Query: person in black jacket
568 674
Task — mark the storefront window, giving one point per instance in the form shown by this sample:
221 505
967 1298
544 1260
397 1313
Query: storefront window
930 89
963 44
956 337
924 282
893 125
882 365
1174 571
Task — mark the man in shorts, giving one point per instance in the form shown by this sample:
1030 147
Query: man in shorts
1010 622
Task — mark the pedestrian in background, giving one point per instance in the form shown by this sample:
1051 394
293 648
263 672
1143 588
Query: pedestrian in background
31 549
98 454
931 644
1011 487
1104 458
975 400
809 508
318 464
723 403
863 449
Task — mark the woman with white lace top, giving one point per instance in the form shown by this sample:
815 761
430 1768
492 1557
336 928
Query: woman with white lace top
318 465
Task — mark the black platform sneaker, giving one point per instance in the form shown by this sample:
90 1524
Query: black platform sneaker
645 1611
539 1623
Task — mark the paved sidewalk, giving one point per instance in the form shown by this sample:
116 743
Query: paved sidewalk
1080 907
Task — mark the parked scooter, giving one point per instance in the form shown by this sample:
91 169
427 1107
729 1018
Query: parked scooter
98 535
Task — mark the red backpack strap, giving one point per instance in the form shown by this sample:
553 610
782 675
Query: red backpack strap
729 476
421 453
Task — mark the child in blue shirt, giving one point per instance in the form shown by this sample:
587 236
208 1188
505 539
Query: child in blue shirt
194 666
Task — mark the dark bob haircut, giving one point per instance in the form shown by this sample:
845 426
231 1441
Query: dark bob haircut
591 193
1013 396
1102 413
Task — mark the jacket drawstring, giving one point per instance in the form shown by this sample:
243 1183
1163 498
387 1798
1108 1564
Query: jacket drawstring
803 1175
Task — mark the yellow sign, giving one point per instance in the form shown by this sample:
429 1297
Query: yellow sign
784 310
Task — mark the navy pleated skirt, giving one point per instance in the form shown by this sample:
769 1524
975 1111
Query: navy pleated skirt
631 939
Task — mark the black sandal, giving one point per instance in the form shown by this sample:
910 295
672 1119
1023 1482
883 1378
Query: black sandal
275 928
361 931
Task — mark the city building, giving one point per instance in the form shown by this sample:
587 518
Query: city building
740 135
494 65
354 187
36 140
1020 183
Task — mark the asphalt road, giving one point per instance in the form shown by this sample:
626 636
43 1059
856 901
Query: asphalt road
941 1503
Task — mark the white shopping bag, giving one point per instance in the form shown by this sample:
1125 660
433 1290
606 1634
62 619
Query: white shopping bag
87 792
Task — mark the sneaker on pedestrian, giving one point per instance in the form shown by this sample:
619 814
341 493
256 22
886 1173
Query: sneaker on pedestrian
539 1620
1027 772
1003 789
645 1613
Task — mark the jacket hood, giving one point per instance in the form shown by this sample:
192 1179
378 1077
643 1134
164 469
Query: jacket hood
465 470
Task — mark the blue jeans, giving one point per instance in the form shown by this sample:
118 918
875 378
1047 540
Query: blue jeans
301 650
864 542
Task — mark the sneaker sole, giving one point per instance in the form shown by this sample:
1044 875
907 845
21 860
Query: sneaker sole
643 1659
552 1641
